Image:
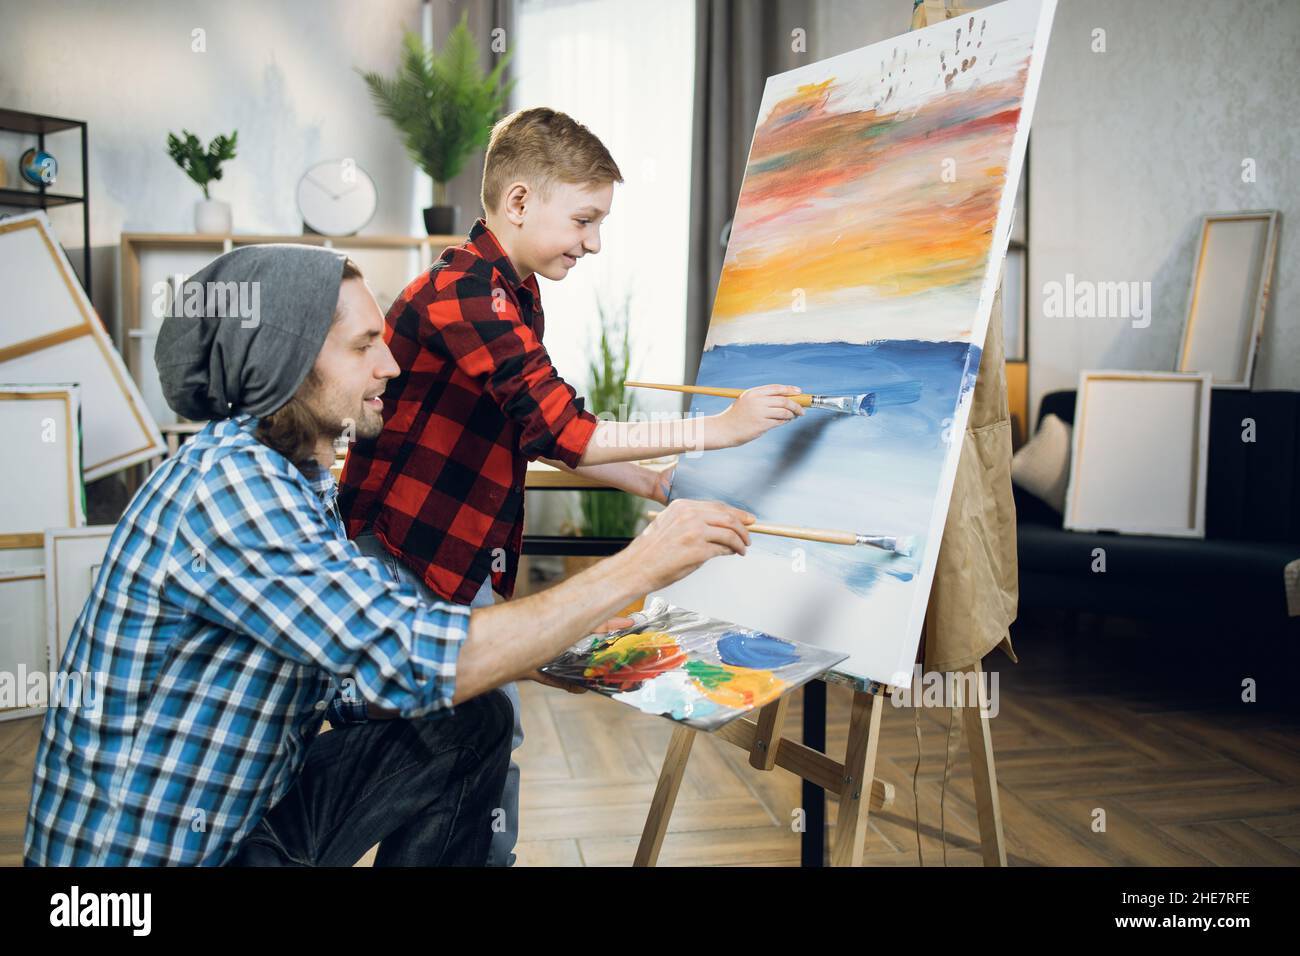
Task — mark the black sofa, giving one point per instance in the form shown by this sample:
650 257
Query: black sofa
1233 578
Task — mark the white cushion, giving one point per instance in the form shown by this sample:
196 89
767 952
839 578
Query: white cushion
1042 465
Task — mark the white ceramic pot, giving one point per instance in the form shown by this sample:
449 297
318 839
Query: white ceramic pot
212 216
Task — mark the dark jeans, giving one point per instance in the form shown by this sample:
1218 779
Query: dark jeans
424 789
501 853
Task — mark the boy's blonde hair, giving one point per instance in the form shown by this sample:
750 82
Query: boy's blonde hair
542 146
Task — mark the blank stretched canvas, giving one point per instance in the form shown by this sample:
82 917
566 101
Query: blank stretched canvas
40 487
1230 285
73 557
1139 458
23 651
49 332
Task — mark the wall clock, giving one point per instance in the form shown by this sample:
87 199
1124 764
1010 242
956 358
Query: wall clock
336 197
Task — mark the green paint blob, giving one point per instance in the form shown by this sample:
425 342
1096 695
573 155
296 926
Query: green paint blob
709 675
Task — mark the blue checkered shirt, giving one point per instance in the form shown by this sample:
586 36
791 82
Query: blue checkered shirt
230 617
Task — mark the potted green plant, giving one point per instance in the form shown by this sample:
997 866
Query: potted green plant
608 514
444 107
203 165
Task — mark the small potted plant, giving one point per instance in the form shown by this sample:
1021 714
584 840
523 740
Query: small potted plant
203 165
608 514
444 107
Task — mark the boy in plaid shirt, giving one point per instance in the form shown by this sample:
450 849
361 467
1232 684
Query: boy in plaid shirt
439 494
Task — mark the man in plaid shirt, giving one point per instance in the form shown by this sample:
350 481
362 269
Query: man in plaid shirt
231 615
439 493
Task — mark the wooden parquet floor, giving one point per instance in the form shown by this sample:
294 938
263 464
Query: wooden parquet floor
1182 774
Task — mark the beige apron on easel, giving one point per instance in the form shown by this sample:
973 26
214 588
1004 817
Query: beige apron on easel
975 591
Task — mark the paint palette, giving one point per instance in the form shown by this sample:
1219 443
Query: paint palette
688 667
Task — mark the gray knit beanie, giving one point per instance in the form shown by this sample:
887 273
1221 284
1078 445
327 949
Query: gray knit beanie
245 330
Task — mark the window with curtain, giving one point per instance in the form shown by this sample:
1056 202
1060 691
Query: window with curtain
625 70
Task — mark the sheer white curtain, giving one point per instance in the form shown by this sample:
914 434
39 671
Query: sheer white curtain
624 69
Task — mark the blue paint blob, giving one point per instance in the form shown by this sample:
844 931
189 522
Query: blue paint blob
756 650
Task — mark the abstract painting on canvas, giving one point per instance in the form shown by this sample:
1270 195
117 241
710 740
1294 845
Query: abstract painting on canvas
863 259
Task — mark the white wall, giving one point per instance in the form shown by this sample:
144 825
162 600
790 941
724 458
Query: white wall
1129 148
282 74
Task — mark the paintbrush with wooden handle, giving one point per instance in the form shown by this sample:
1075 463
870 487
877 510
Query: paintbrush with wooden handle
864 403
903 546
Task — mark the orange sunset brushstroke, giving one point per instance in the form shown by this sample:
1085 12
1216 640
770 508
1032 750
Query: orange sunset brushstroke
854 199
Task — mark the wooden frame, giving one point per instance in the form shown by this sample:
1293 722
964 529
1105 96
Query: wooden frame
66 406
852 782
1132 436
12 585
1214 339
123 432
65 595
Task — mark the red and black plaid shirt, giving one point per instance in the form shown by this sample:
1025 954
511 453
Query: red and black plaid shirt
477 397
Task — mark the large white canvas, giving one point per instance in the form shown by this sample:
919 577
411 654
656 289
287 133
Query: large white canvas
22 637
865 252
35 301
1139 459
73 557
49 332
40 485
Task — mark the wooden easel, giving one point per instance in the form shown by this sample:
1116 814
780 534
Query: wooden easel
845 781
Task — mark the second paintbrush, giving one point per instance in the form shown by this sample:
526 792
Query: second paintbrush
902 546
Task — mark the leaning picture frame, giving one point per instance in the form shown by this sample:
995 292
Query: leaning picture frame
42 487
50 332
23 649
1229 296
1139 458
73 557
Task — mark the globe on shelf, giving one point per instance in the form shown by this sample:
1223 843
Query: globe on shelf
38 167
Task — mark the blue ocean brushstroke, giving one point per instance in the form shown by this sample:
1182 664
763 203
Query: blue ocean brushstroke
877 474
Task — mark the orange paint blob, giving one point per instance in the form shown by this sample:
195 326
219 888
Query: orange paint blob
745 687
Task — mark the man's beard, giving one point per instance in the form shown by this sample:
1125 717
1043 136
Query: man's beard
370 423
363 423
366 423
